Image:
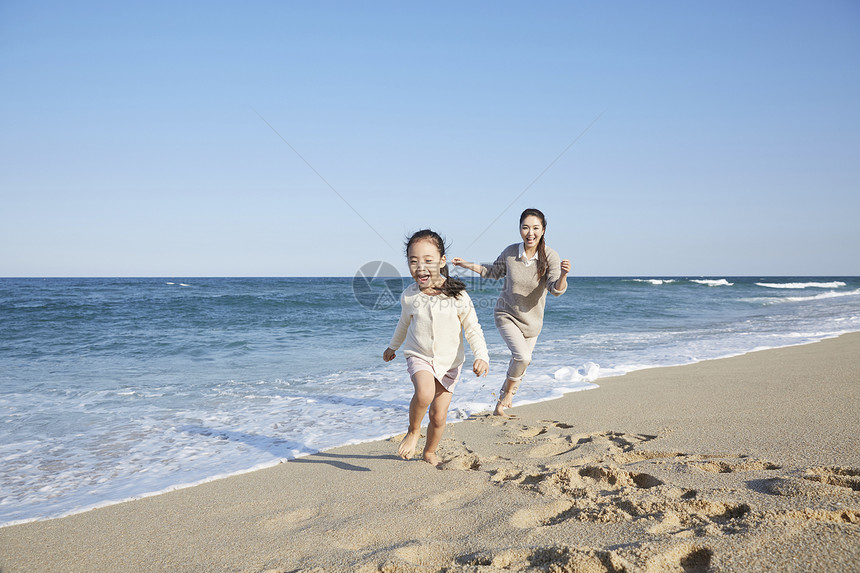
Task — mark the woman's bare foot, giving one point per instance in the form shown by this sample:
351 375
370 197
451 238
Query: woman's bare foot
408 444
506 399
500 410
432 458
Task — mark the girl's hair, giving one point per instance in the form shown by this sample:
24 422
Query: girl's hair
452 286
542 263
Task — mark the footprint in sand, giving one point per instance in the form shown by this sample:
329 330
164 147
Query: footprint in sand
554 447
493 420
452 499
466 461
739 464
551 558
506 473
290 519
810 485
556 424
823 515
675 517
544 427
839 476
593 445
458 456
590 484
532 431
541 515
617 478
689 559
523 434
597 477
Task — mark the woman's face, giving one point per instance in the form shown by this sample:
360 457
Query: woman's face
531 230
425 264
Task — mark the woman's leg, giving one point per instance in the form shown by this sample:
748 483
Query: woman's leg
521 355
425 392
438 420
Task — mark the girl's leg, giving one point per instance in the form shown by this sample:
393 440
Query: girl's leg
425 391
438 420
521 355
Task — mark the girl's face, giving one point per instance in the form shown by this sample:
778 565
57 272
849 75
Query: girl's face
425 264
531 230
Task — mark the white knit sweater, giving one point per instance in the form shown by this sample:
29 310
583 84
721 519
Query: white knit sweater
432 328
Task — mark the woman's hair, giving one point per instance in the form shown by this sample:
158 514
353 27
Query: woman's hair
452 286
542 263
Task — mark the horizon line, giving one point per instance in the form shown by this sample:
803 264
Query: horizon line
636 276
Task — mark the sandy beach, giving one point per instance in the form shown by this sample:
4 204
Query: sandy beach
750 463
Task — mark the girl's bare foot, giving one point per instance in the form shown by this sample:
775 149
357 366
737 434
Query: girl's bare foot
432 458
408 444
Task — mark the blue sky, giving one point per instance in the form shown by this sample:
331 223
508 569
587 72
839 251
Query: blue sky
714 138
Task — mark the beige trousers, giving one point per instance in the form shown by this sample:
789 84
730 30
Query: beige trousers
521 347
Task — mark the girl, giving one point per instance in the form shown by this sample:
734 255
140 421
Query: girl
530 269
434 311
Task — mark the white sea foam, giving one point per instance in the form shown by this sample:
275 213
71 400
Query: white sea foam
831 294
712 282
769 300
653 281
588 372
834 284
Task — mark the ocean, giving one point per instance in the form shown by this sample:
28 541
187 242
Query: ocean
115 389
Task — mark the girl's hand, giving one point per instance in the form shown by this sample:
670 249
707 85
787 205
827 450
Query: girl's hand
565 267
480 367
388 355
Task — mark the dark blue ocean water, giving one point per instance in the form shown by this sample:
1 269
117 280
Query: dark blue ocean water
112 389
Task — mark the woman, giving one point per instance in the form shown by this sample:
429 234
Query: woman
530 269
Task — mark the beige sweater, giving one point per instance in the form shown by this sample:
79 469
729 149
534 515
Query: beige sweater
523 296
432 328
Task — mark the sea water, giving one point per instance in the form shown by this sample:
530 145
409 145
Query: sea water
113 389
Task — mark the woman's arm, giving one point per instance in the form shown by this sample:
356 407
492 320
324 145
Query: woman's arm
474 267
556 281
561 283
497 270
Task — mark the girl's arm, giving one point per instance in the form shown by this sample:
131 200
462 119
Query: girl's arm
400 331
474 334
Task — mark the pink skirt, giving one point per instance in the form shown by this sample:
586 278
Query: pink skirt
448 381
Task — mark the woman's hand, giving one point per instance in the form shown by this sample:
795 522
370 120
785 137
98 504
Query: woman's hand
565 267
480 367
388 355
458 262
